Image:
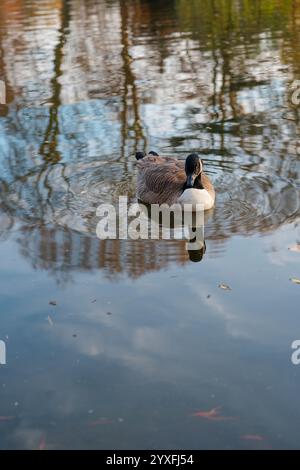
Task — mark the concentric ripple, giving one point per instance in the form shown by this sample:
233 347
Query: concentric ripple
68 196
252 203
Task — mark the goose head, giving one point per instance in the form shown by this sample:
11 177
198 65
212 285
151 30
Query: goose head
193 170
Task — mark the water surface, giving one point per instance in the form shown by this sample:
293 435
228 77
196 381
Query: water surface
141 338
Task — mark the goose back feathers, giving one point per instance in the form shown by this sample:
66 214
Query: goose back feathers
162 180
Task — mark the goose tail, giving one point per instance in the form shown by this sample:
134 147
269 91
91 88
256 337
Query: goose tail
140 155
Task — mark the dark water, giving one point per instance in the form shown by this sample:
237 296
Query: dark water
141 338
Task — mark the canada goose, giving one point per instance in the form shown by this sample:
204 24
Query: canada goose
165 180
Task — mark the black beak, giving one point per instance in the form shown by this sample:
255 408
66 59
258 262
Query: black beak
190 181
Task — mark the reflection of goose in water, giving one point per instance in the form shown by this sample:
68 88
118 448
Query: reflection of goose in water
165 180
195 247
56 206
68 195
197 255
176 225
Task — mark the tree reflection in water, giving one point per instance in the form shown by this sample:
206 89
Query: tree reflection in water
89 83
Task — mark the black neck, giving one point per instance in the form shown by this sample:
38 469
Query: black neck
198 183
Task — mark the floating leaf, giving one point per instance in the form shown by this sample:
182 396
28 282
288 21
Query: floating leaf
42 444
6 418
295 248
224 286
100 421
213 415
295 280
252 437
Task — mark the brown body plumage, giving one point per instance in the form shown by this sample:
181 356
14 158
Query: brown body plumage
161 180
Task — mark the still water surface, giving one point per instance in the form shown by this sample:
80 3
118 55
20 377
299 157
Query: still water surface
141 338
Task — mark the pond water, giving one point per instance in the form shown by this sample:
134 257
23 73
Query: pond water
122 344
